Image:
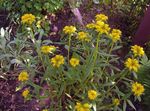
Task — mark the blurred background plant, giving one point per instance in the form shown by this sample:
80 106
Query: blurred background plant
19 7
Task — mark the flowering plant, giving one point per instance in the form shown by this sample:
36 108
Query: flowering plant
88 77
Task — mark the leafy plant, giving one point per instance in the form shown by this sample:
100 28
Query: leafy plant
87 76
144 76
19 7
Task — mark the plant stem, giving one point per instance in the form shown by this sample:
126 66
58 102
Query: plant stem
94 59
69 45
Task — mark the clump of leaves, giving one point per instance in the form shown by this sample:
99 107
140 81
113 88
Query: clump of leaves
144 77
19 7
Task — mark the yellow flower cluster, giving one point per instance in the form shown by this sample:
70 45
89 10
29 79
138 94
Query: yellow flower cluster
116 101
83 36
23 76
25 93
38 23
132 64
115 35
92 94
137 89
57 60
137 50
82 107
27 19
90 26
69 29
45 110
74 62
101 27
47 49
101 17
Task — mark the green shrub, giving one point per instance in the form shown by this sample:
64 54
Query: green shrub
19 7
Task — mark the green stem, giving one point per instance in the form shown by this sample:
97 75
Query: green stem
107 59
36 46
69 44
32 36
96 50
111 47
86 79
120 78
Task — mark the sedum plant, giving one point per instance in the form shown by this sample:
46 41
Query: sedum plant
87 75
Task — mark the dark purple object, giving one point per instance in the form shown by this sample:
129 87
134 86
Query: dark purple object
143 33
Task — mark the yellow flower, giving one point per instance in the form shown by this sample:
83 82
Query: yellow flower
47 49
102 28
137 50
23 76
83 36
116 102
38 23
101 17
115 35
74 62
45 110
82 107
90 26
25 93
27 19
92 94
137 89
78 106
69 29
132 64
57 60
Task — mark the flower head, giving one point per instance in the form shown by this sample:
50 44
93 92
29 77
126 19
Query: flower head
137 50
137 89
45 110
92 94
83 36
116 102
57 60
38 23
102 27
74 62
25 93
47 49
132 64
90 26
101 17
69 29
23 76
115 35
27 19
82 107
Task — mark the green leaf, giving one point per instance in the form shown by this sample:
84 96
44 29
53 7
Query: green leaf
130 103
124 106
